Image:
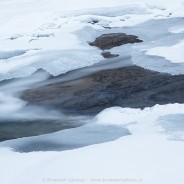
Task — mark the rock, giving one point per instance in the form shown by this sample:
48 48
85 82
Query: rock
132 86
108 41
109 55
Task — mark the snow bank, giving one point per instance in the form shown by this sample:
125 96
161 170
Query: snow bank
146 156
145 117
173 53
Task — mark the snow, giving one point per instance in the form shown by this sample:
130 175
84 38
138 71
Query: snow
53 28
54 35
173 53
149 155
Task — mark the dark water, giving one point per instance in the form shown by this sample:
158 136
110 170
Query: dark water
13 129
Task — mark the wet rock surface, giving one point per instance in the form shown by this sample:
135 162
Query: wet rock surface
108 41
109 55
131 86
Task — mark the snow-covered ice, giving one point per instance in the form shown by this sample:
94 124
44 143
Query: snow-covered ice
150 155
51 31
54 35
173 53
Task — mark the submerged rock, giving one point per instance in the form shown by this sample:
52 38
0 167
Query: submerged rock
131 86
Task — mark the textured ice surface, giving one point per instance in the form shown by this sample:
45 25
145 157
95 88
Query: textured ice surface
10 54
173 125
59 32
